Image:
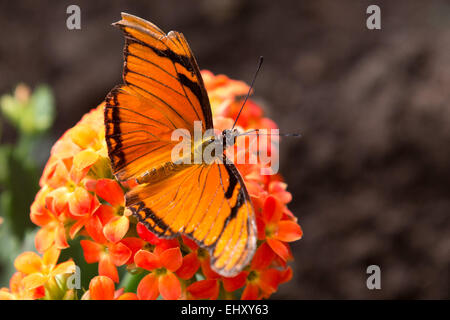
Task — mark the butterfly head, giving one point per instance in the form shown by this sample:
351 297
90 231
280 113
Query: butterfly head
229 137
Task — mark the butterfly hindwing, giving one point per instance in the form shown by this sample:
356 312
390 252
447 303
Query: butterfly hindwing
207 203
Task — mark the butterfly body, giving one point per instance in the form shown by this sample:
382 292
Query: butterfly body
162 172
163 91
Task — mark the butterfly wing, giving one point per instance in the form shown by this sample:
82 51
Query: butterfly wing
207 203
167 65
164 91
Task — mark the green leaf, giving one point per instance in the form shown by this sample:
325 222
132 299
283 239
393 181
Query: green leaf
29 114
131 281
42 105
11 109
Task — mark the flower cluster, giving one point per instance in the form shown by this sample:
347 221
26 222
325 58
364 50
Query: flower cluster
80 198
40 277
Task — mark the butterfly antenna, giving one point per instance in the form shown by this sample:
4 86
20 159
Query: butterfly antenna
261 59
256 131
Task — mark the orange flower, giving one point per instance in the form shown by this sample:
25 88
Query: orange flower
277 231
53 231
79 154
195 259
79 196
102 288
191 261
116 224
38 271
222 91
236 282
263 280
17 290
204 289
108 255
162 280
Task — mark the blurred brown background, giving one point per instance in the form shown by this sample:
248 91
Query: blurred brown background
370 178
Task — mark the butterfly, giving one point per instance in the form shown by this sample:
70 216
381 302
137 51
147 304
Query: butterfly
163 91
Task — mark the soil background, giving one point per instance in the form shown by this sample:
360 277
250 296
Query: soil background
370 178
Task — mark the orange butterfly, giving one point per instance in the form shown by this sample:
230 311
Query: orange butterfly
164 91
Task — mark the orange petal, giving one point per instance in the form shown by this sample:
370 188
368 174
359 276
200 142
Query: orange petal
40 216
94 228
50 257
269 280
38 293
146 234
288 215
57 175
261 228
15 281
80 202
207 271
107 268
76 227
83 135
204 289
110 191
119 253
64 148
28 263
190 243
279 248
253 187
272 210
33 281
60 237
63 268
268 123
288 231
169 286
251 292
57 200
171 259
101 288
116 229
118 293
148 288
278 188
44 239
147 260
128 296
222 123
263 257
5 295
189 266
165 244
82 162
134 244
286 275
105 213
236 282
91 250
